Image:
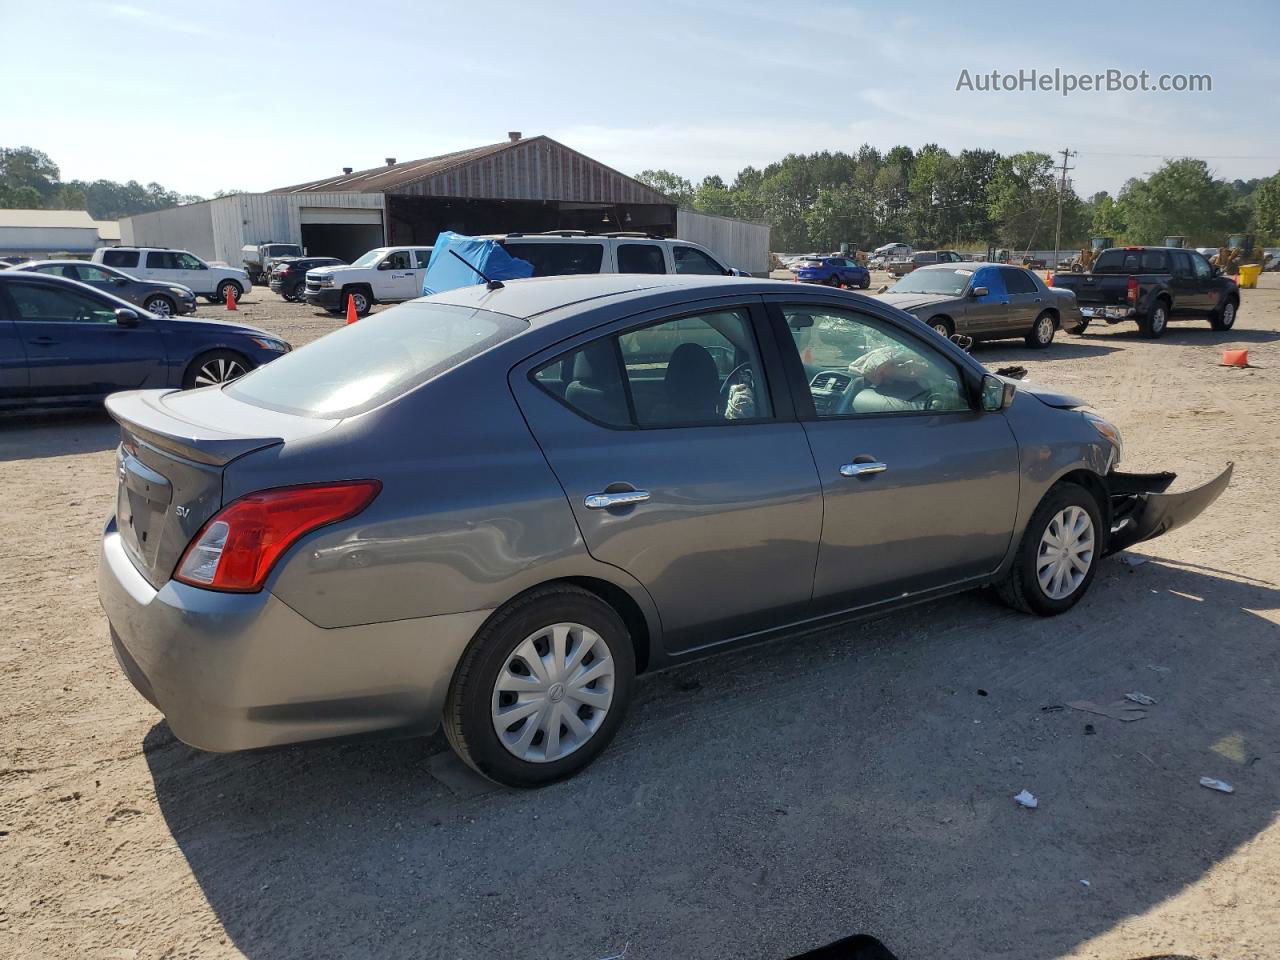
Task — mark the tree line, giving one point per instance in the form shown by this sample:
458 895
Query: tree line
30 180
968 200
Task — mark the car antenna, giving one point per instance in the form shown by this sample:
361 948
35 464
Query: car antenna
489 284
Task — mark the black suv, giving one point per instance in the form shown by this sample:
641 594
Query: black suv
289 275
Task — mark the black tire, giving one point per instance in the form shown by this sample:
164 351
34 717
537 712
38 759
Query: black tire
942 326
160 305
1021 587
834 281
1079 329
299 289
364 302
224 286
865 283
1155 322
1224 318
215 360
1041 333
468 721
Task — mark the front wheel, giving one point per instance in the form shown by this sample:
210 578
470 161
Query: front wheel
1154 324
1041 334
1225 318
1058 555
226 288
160 306
865 283
215 368
942 327
360 299
542 689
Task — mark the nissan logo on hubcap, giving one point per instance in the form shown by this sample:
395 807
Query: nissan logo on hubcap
556 693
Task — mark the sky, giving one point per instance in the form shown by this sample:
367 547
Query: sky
226 95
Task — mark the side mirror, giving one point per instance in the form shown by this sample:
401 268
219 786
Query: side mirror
997 394
385 265
979 292
126 318
119 281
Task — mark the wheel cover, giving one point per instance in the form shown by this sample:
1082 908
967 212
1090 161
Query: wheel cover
361 303
941 329
160 307
1066 552
219 370
553 692
1158 319
1228 314
1044 329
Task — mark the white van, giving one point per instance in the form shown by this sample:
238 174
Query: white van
176 266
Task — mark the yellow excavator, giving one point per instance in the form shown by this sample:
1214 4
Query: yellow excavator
1239 249
1084 259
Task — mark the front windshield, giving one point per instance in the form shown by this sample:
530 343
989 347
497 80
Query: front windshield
949 282
370 258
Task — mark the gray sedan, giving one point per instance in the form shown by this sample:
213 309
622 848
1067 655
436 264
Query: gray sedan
986 302
492 508
162 299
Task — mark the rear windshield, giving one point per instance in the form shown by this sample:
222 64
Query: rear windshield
1131 261
382 357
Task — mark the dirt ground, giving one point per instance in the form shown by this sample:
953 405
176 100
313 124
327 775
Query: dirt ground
858 780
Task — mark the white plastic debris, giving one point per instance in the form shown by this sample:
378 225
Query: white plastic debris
1086 883
1132 560
1141 698
1220 785
1027 799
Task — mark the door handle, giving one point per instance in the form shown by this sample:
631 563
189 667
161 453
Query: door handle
42 341
863 469
623 498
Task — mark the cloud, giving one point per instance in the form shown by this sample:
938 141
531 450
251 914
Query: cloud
150 18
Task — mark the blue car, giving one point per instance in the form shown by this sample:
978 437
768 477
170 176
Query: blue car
64 342
833 271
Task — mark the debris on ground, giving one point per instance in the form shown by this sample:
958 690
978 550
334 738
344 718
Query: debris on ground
1141 698
1133 560
1089 730
1028 800
1013 373
1086 883
1220 785
1122 710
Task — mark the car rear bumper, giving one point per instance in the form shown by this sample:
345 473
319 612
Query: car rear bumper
1141 510
1111 314
239 671
328 298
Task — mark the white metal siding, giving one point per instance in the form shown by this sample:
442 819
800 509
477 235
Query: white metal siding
338 215
186 228
739 243
39 241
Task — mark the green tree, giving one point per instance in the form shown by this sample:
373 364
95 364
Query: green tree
1107 217
672 185
1181 198
27 167
1266 210
1022 199
840 214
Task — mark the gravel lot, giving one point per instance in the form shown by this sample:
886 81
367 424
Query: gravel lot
858 780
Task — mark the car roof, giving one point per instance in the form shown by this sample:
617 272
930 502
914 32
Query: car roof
527 299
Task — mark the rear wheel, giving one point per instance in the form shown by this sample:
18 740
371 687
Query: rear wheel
215 368
297 292
1041 333
542 689
1154 324
1224 318
161 306
834 280
1058 555
1080 328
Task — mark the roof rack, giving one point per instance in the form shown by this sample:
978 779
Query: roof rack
562 233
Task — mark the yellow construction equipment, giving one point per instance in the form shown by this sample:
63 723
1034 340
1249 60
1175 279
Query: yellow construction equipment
1240 249
1084 259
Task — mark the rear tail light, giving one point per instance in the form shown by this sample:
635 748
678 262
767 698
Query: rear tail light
1131 290
236 549
283 269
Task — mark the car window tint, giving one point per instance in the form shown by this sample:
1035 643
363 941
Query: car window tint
1201 266
1017 281
857 365
55 305
399 261
1155 261
185 261
641 258
693 260
160 260
423 257
1181 264
358 367
559 259
990 278
695 370
120 258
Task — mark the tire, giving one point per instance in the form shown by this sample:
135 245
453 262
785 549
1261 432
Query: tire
834 281
363 302
473 706
1079 329
865 284
297 292
1022 588
943 327
1156 322
1225 318
227 285
1042 331
161 306
215 368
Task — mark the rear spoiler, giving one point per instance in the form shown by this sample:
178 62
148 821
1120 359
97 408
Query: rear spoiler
143 414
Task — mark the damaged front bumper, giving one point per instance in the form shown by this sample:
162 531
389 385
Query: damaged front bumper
1141 510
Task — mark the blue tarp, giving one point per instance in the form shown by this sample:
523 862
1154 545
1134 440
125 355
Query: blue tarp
447 272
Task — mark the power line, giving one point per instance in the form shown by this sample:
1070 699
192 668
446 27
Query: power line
1164 156
1067 153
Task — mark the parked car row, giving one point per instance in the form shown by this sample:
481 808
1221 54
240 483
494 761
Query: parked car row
211 281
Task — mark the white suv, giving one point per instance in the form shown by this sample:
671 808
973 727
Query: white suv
176 266
559 252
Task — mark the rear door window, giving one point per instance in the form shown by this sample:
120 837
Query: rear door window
162 260
558 259
1017 281
423 257
641 258
120 258
692 260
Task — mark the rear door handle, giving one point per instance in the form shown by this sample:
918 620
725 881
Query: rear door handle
42 341
623 498
863 469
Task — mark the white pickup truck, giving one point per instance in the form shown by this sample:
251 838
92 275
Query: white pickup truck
383 275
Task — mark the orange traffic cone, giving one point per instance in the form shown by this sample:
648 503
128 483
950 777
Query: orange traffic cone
231 298
352 316
1235 358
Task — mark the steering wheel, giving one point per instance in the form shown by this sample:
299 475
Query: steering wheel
742 373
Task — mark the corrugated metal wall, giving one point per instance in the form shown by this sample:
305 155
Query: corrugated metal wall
739 243
537 170
217 229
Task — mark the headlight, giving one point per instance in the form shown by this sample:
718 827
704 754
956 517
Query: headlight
274 345
182 292
1108 430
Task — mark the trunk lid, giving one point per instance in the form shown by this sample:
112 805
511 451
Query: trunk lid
170 463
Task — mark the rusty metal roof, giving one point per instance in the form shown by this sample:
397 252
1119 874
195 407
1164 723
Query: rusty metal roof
388 177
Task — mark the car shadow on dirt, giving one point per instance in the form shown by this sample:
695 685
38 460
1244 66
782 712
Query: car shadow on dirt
1190 333
31 435
855 780
985 352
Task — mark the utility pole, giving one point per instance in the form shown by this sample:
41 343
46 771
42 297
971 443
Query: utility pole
1067 153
